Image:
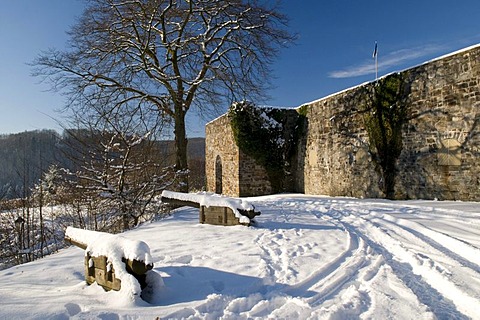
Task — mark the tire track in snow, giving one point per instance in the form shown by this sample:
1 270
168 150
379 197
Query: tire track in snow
445 219
344 275
324 283
371 245
458 256
458 277
461 272
348 272
443 298
464 253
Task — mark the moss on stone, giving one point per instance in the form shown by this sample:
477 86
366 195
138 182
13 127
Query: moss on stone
303 110
265 135
385 113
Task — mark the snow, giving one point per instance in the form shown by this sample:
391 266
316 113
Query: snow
213 200
114 247
269 123
454 53
110 245
308 257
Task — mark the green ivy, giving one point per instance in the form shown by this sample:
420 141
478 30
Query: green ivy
385 113
303 110
261 134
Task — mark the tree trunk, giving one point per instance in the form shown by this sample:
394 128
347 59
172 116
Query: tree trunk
181 164
389 174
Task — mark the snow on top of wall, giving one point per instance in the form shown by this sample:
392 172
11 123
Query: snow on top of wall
214 120
412 67
114 247
452 53
337 93
213 200
256 106
364 83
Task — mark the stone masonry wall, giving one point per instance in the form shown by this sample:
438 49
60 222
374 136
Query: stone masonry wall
241 175
220 144
441 142
333 155
253 178
440 156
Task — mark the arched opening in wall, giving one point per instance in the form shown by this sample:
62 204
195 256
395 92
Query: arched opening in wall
218 175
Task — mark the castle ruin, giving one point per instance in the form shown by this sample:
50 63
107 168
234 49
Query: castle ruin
440 142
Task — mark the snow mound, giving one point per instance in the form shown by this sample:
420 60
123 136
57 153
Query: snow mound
214 200
115 248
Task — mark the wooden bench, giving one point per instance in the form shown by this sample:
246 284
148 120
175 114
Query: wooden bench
99 269
213 214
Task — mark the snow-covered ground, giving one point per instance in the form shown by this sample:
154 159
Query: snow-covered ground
307 257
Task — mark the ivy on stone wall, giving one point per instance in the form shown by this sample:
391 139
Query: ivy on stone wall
263 134
385 112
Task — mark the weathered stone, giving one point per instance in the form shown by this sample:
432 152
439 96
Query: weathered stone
440 156
237 174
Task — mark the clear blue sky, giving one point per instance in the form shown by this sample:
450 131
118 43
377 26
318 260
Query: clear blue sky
333 52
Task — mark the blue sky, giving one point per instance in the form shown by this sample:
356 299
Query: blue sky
333 52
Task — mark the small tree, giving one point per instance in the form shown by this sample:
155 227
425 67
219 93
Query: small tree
121 174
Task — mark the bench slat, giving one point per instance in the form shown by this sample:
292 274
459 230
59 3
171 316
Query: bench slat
180 202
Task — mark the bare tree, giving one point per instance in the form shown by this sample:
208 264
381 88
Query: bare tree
168 56
118 164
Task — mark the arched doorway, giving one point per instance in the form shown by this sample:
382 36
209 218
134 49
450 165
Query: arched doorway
218 175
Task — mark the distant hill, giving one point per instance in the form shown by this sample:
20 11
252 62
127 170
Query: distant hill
196 148
25 156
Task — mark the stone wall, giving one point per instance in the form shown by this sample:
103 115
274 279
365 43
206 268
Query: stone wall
240 174
220 148
253 178
333 154
440 157
441 141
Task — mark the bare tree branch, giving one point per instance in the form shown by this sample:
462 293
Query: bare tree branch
170 54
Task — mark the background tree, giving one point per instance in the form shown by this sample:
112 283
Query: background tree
117 163
168 56
24 157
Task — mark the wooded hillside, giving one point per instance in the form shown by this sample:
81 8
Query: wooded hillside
25 156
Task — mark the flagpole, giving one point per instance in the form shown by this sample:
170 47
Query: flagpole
375 55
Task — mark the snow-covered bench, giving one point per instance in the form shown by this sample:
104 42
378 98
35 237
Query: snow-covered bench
214 209
112 261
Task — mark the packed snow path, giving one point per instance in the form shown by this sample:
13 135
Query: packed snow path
307 257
